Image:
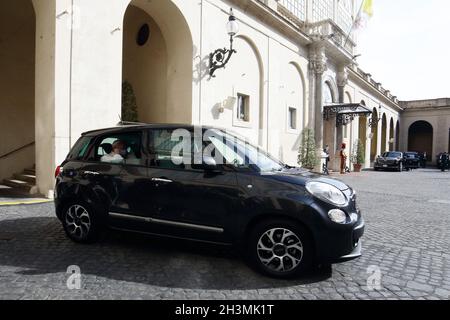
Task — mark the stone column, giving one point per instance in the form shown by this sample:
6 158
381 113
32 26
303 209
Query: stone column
318 65
45 95
342 80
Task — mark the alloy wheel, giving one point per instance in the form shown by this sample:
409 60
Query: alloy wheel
280 250
78 222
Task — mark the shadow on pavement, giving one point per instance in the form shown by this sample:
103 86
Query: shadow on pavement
39 246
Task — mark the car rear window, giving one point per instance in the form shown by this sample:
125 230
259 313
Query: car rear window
80 149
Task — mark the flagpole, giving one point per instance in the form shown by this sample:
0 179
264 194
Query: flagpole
354 22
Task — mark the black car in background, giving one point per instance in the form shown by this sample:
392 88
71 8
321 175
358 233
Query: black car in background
132 178
423 159
411 160
392 160
443 161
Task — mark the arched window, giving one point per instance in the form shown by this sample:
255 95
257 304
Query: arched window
327 94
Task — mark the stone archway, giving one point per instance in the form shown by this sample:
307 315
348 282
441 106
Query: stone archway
17 86
158 61
384 133
374 134
420 138
397 135
391 135
329 126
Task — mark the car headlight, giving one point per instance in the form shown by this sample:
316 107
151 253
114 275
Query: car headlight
326 192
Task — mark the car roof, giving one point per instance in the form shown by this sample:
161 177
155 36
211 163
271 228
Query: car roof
128 128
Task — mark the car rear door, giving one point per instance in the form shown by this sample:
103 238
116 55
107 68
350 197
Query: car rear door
120 184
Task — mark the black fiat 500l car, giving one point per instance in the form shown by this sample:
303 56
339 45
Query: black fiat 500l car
137 179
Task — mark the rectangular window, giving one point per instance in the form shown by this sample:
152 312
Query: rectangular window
122 148
322 10
296 7
243 107
292 118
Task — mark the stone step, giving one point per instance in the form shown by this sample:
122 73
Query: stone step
30 178
30 171
21 185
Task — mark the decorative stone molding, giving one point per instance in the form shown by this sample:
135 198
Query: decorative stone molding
318 60
342 77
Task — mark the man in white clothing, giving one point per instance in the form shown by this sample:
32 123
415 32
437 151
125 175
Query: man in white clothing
117 153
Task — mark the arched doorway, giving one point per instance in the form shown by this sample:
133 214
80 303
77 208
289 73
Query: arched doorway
391 135
374 134
397 135
243 82
17 86
383 133
329 126
157 62
420 138
293 117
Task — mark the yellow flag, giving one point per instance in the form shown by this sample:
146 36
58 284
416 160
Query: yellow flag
368 7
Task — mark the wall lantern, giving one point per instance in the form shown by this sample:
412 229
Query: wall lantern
373 122
219 58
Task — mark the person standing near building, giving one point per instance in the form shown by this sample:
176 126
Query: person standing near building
326 152
343 155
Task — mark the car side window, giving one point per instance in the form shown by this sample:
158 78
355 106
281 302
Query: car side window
164 151
125 148
80 149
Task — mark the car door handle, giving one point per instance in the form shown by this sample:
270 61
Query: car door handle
161 180
91 173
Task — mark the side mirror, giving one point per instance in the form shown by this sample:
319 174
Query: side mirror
209 164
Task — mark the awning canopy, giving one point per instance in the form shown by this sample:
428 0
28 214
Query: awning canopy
345 112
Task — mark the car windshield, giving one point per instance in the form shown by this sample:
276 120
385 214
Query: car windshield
242 154
392 155
411 155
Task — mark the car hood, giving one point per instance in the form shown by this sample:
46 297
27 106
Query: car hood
300 177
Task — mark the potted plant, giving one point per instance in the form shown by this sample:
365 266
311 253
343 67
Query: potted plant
358 157
307 153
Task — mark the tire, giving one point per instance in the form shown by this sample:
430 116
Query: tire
265 247
80 222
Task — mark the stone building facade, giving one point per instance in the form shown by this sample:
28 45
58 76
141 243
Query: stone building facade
63 63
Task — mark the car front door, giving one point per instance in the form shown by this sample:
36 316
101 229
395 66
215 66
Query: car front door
187 200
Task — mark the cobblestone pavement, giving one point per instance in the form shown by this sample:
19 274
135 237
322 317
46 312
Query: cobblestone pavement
407 238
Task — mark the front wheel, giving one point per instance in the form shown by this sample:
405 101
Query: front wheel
80 223
280 249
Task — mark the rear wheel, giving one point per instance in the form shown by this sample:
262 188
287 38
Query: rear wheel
280 249
80 223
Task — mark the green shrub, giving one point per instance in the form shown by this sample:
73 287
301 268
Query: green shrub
307 153
359 153
129 104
